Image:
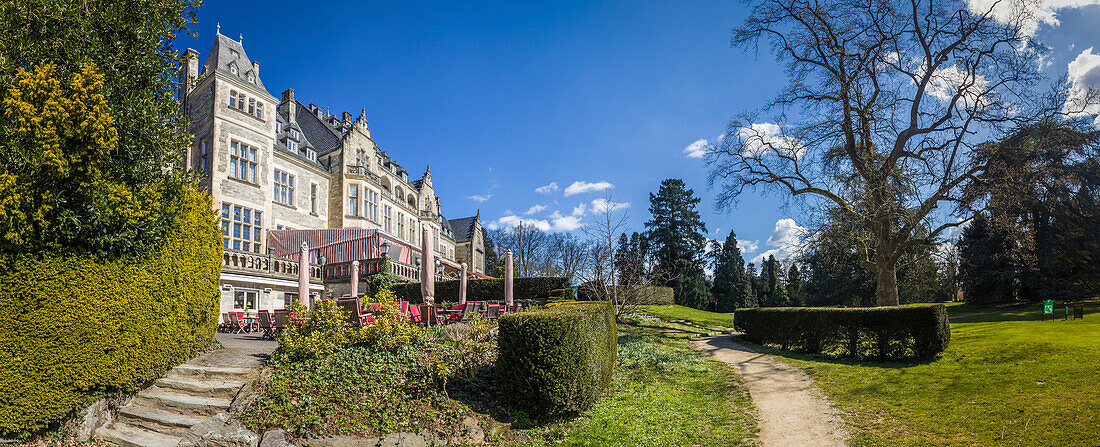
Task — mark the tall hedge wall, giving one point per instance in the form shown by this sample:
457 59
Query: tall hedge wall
485 289
557 360
907 332
74 326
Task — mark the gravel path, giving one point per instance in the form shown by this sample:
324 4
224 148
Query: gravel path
791 411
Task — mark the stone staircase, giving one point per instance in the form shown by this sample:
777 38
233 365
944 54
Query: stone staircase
162 414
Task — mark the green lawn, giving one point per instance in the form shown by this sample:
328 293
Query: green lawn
1006 379
700 317
664 394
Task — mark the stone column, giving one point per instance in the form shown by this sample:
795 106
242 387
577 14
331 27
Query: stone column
303 274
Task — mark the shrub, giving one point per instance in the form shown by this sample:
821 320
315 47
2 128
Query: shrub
75 326
319 332
562 294
557 360
897 333
637 294
491 289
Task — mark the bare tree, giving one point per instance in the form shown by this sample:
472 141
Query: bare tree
567 254
885 104
528 244
601 278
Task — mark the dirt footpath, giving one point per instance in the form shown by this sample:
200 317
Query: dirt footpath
791 411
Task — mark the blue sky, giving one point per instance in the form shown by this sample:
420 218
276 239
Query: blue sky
502 98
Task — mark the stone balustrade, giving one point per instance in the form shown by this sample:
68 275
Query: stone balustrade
342 270
248 262
362 171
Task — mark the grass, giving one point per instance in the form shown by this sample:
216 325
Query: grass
700 317
1006 379
663 394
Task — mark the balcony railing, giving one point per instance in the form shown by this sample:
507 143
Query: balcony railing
362 171
342 270
248 262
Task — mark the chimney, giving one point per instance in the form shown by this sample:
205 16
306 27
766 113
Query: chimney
256 69
188 74
288 99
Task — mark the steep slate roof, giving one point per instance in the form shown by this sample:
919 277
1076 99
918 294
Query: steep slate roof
463 228
226 53
303 140
323 136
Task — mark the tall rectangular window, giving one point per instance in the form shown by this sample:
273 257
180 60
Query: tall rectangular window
284 188
241 228
353 200
313 198
372 205
385 218
232 99
242 161
205 163
259 110
251 106
400 225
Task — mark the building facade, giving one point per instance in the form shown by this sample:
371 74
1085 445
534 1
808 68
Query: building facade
280 164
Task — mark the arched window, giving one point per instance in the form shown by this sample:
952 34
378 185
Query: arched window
232 99
251 106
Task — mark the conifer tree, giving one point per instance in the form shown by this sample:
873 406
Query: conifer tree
676 234
732 284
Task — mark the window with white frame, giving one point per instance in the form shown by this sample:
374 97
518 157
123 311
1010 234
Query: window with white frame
292 146
294 134
372 204
233 99
288 299
260 110
360 158
400 225
284 188
353 200
412 231
313 198
385 218
242 161
241 228
245 299
251 106
311 154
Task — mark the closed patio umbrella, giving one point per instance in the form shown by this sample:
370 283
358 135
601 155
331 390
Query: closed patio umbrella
508 279
462 284
303 274
354 278
427 265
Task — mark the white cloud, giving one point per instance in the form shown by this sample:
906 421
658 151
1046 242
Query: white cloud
547 189
761 139
579 187
1083 74
481 197
566 223
1028 13
697 149
579 210
747 246
787 240
603 206
557 223
535 209
945 84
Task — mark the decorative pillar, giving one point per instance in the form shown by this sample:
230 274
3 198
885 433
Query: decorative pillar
462 284
303 274
354 278
508 300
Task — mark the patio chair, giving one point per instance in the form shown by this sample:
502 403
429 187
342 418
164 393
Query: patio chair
355 312
266 324
469 311
415 317
493 312
281 315
235 323
454 313
225 324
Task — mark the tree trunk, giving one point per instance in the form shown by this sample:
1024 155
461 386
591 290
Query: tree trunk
886 284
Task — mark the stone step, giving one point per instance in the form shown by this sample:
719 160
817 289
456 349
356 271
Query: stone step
158 420
130 436
199 386
187 404
212 372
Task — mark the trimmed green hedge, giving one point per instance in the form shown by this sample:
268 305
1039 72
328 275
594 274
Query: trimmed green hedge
72 327
485 289
557 360
897 333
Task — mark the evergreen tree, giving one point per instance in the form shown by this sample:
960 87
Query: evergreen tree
775 291
794 285
732 284
676 235
985 264
755 284
494 264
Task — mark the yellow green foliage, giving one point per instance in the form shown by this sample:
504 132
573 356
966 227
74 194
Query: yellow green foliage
319 332
57 136
75 326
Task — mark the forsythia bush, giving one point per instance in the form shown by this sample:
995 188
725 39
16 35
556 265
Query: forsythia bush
74 326
321 331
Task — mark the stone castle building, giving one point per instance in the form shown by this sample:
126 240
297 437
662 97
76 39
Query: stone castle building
274 164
